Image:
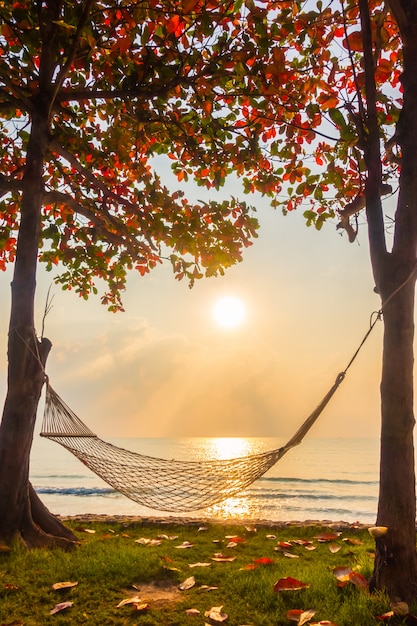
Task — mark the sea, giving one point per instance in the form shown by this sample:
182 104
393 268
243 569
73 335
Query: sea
329 479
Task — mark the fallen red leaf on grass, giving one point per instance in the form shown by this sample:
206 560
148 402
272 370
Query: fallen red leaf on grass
300 616
353 542
385 616
263 560
324 537
345 575
289 584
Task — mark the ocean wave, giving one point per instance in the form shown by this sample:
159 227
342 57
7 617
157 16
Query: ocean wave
317 481
297 495
76 491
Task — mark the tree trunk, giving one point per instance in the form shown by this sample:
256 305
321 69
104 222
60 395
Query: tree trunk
395 568
396 560
27 356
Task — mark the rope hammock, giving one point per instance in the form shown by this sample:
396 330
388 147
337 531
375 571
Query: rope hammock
168 485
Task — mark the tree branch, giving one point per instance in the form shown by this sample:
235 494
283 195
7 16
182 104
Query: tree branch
132 244
353 208
7 185
98 184
372 153
73 51
405 13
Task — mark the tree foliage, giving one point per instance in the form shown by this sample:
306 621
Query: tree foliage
271 91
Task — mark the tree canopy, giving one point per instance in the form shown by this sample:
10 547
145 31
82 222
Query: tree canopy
270 91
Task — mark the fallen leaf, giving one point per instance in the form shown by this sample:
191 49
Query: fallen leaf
215 614
289 584
184 545
342 573
192 612
132 600
60 607
264 560
324 537
385 616
345 575
302 542
359 580
207 588
235 538
290 555
352 541
222 558
64 585
251 529
231 544
202 529
249 566
300 616
324 622
10 586
199 564
334 548
89 531
167 537
271 537
187 584
142 607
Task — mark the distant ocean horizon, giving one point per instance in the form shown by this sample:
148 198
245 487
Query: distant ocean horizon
321 479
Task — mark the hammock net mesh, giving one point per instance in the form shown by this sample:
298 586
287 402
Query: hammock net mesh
161 484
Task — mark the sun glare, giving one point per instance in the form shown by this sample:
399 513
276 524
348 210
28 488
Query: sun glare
229 312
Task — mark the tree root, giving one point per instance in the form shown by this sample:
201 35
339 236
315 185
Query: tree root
46 521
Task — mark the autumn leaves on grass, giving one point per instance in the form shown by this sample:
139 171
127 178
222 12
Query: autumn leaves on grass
212 614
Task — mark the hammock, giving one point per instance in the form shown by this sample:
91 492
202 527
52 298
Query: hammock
161 484
170 485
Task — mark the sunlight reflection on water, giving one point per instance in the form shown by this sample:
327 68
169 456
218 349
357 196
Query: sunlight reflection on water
334 479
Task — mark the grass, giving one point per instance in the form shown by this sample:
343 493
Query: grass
110 565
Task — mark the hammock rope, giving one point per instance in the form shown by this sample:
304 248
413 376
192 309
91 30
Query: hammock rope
169 485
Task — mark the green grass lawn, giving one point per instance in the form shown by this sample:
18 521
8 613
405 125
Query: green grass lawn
234 567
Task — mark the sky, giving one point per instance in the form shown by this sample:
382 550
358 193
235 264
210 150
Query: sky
167 368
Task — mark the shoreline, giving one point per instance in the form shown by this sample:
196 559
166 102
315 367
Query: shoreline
192 521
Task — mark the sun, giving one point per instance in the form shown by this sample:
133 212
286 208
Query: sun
229 312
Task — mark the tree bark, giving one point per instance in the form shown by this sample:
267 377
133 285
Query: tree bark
26 361
395 274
